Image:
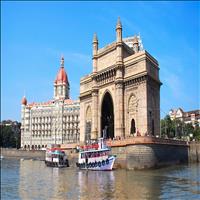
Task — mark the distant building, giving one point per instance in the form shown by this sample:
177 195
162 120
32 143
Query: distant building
186 117
52 122
9 123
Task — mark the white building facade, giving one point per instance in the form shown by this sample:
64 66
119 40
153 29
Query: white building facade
52 122
192 116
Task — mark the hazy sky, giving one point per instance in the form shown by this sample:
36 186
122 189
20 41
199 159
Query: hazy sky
35 34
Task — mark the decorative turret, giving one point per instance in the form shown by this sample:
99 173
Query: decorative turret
95 52
135 44
119 30
61 84
95 44
119 42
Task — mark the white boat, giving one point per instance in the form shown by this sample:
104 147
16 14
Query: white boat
96 157
56 157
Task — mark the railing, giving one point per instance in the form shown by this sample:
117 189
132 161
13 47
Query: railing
120 142
144 140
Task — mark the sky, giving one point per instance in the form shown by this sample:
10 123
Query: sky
34 35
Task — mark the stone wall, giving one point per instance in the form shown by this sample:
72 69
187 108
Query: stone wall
135 156
5 152
194 152
144 156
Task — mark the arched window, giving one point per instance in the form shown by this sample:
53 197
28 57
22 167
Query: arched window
132 113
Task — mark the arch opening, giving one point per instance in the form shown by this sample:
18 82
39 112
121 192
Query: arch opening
152 126
133 127
107 117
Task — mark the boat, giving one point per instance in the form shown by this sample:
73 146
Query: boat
96 157
56 157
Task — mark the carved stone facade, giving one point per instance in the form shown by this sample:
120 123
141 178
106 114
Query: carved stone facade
122 92
52 122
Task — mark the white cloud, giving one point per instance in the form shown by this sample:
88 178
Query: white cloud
75 57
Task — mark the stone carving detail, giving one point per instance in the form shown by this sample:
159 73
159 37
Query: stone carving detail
132 111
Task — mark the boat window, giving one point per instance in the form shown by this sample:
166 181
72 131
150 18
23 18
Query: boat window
82 155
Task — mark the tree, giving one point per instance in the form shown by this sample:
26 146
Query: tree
10 134
178 129
196 133
167 127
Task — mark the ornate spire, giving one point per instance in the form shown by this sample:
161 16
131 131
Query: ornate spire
95 52
95 39
119 24
61 84
119 31
62 61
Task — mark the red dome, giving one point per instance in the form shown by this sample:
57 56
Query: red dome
24 100
61 76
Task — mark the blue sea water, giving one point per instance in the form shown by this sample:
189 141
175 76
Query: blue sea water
31 179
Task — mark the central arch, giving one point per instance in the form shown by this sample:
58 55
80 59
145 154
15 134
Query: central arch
107 117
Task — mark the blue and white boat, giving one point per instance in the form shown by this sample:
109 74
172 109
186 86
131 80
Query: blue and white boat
96 157
56 157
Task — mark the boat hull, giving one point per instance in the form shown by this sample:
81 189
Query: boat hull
58 165
104 165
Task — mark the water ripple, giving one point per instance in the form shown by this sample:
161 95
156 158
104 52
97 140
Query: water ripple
29 179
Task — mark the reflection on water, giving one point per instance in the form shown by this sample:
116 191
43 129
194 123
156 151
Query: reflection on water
29 179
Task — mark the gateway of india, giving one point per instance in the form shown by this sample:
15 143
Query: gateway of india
120 98
122 94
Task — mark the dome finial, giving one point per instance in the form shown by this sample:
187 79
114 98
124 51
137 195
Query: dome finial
62 60
95 39
24 101
119 24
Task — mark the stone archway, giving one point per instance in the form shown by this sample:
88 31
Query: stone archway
107 117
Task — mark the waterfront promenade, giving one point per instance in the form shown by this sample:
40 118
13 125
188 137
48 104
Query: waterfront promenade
132 152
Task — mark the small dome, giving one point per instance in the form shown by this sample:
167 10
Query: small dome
24 101
61 76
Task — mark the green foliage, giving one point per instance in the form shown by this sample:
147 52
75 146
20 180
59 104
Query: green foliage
178 129
196 133
9 137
